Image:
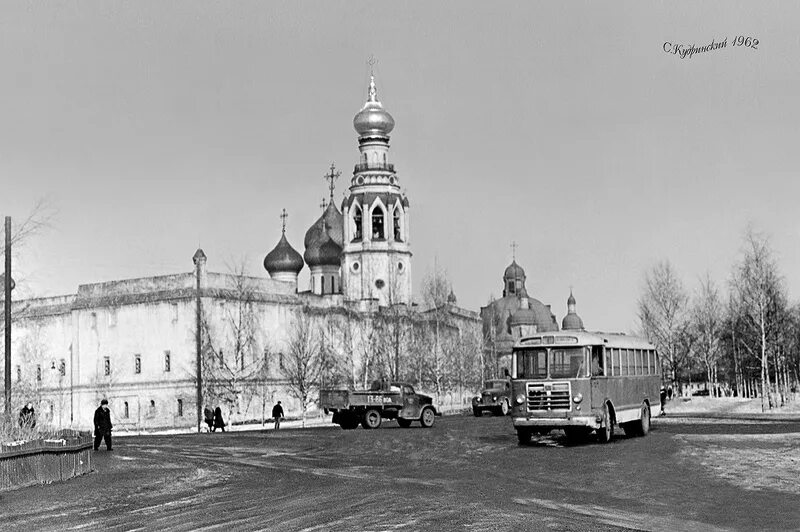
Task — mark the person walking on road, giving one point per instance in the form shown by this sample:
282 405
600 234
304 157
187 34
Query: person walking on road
102 425
277 413
663 397
209 418
219 423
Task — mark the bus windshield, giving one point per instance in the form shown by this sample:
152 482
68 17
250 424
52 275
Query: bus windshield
563 363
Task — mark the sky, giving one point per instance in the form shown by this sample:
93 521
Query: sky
152 128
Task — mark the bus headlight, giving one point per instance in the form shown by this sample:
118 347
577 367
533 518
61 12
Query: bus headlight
494 398
577 398
520 399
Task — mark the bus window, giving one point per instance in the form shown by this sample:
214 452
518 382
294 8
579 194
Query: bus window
624 362
567 363
531 364
639 363
598 367
615 369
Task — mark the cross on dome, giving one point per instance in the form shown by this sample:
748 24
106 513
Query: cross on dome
331 178
283 220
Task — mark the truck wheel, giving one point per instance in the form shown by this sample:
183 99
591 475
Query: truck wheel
427 417
372 419
405 423
348 422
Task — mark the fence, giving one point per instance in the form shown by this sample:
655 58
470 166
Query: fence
61 456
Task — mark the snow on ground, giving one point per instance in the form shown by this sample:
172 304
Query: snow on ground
726 405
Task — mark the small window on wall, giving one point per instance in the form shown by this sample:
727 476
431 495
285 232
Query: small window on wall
19 372
106 366
137 364
180 407
167 361
358 220
125 410
38 372
62 367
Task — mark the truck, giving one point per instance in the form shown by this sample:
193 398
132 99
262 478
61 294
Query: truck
368 408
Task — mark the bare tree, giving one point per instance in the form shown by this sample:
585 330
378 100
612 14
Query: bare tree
302 361
663 313
234 356
760 303
707 321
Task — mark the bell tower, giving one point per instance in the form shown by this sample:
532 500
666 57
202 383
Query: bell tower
376 259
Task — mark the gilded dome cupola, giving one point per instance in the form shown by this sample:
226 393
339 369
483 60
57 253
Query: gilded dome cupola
373 120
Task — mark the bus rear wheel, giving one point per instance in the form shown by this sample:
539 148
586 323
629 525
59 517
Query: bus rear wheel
524 436
606 431
427 417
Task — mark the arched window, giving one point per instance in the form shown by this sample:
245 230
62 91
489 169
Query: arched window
396 222
126 412
378 226
322 288
358 222
511 287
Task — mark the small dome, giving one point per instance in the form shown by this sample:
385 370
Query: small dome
570 299
283 258
514 271
373 120
572 322
333 226
323 251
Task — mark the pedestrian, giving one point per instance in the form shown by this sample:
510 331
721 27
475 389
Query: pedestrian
663 396
208 416
27 416
218 422
102 425
277 413
669 392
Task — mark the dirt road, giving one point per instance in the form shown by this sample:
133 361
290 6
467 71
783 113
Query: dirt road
463 474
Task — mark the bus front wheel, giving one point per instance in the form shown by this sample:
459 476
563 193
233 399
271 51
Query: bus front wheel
606 431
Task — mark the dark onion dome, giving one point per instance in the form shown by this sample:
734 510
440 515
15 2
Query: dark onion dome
333 226
323 251
373 120
570 299
572 322
514 271
283 258
451 297
198 255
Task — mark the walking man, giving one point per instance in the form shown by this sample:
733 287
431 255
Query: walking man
277 413
663 397
102 425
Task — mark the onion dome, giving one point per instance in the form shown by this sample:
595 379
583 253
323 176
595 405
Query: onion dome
283 258
322 250
451 297
373 120
571 321
333 226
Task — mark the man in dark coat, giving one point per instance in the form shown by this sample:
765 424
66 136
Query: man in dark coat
102 425
219 423
27 416
277 413
209 418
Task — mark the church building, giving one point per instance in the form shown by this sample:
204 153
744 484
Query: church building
143 343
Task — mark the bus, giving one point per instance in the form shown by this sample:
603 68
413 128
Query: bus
581 382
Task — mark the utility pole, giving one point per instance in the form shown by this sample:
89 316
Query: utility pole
199 260
7 304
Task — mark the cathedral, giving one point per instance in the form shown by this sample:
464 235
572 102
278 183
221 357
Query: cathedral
516 314
162 349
